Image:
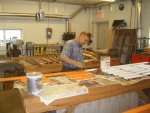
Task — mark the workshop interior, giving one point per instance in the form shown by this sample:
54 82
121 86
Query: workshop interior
115 73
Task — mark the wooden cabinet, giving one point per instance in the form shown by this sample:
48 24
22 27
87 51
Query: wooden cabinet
52 50
136 58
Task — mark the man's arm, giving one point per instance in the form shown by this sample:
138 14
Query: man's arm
70 61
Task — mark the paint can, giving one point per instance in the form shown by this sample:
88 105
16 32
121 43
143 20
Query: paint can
34 80
104 62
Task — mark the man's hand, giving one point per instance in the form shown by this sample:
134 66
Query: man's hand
72 62
79 64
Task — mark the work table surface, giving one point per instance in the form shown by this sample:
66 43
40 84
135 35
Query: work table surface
32 104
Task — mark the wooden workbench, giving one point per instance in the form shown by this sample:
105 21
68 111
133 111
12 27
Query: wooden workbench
7 61
32 104
34 64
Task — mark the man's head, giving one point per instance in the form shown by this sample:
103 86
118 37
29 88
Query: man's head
84 38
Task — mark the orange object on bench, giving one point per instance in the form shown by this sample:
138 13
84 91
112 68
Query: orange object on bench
80 77
23 79
141 109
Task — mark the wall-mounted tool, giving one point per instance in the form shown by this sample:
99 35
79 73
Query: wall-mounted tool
13 47
49 32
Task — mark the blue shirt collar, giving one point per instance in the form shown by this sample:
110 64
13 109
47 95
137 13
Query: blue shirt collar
77 43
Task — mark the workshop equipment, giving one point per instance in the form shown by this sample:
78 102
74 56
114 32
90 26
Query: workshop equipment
141 44
68 36
119 23
29 48
13 47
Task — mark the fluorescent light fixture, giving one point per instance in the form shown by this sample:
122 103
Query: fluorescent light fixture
40 15
109 0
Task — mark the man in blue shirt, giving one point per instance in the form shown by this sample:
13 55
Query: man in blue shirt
72 54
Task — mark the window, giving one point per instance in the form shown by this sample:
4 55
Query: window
8 34
1 37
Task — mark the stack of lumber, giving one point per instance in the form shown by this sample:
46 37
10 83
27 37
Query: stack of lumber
89 55
146 50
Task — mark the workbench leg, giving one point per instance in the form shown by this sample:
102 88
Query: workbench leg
70 109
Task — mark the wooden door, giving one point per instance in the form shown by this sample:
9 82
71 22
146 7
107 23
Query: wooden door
102 41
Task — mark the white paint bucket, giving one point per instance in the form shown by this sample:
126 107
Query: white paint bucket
104 62
34 80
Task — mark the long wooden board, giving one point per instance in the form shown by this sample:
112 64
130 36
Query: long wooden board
47 60
40 61
142 109
53 59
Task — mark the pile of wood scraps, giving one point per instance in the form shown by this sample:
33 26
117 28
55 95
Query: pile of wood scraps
89 55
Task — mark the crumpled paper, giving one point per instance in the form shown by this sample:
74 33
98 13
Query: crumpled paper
52 92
